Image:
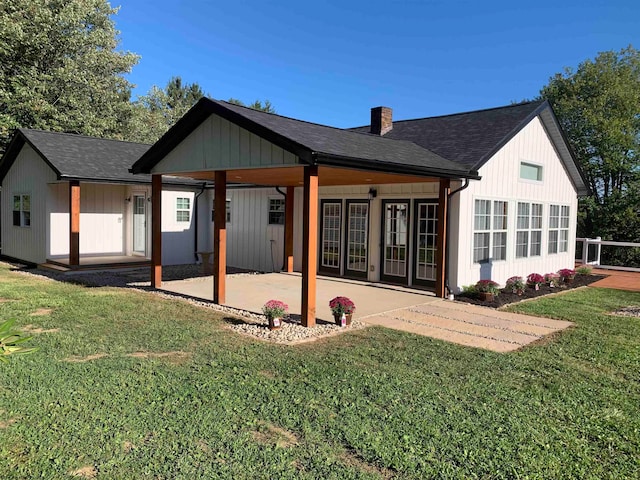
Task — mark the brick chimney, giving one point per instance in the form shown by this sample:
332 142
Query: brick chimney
381 120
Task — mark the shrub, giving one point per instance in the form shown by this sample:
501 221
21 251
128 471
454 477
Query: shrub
487 286
515 284
552 279
566 273
535 279
584 270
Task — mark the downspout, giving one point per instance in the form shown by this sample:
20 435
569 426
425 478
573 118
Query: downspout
195 216
446 245
284 244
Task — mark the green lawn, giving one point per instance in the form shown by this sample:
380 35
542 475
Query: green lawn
373 403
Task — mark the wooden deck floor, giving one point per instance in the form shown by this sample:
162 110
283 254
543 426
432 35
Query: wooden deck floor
102 261
619 280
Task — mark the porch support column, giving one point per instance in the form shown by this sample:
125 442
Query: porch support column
156 231
288 229
441 258
74 222
220 237
309 245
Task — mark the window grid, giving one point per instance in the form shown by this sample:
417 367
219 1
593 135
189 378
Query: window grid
331 235
396 236
357 237
276 211
490 231
22 210
183 209
558 228
427 241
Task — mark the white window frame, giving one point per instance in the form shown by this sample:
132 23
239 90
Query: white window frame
559 228
24 215
479 229
528 225
227 206
278 211
531 164
182 210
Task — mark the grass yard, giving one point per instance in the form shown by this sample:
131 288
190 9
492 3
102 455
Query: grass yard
127 385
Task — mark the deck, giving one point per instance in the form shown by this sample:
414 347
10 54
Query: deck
98 262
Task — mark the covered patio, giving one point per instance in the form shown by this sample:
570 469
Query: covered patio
225 143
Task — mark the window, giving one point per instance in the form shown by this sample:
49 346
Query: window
558 228
183 209
228 211
529 230
22 210
276 211
490 231
529 171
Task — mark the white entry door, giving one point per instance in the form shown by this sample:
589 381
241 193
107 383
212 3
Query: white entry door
139 225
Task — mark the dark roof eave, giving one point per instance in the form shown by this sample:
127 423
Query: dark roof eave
379 166
141 181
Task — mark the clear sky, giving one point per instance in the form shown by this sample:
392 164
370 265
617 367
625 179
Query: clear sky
331 61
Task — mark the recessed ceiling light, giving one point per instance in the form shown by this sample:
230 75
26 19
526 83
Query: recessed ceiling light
238 176
367 179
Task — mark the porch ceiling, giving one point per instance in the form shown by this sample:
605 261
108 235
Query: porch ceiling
293 176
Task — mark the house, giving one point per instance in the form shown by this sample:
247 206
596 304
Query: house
47 175
436 202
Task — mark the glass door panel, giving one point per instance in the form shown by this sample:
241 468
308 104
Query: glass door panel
426 242
356 261
330 229
395 241
139 225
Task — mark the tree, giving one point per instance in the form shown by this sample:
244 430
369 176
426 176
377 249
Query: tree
598 106
59 68
257 105
158 110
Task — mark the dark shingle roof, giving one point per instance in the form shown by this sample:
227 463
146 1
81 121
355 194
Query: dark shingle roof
310 142
80 157
469 138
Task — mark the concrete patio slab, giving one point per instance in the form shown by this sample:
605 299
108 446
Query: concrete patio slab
412 311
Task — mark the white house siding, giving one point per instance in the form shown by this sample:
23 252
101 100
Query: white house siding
28 175
219 144
501 181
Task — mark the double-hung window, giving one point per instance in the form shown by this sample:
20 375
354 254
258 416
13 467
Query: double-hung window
529 230
22 210
276 211
183 209
490 230
558 228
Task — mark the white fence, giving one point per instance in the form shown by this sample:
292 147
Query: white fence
588 259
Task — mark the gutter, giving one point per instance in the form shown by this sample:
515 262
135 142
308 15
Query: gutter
446 245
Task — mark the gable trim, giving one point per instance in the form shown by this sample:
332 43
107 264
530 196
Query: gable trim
18 141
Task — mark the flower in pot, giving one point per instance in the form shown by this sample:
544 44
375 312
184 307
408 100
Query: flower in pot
515 284
342 309
487 289
275 311
535 280
567 275
552 279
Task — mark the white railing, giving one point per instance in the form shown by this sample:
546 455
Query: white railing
595 260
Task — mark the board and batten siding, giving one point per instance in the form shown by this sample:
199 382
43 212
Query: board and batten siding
28 175
217 144
102 219
501 181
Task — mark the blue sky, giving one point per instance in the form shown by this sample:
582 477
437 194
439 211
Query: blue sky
331 61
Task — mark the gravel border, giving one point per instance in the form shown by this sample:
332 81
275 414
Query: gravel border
241 321
630 311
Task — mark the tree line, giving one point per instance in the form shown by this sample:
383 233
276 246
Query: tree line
61 70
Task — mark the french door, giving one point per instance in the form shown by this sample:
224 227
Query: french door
356 257
425 242
330 236
395 252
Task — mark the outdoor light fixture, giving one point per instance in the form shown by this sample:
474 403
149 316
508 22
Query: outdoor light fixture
128 199
373 193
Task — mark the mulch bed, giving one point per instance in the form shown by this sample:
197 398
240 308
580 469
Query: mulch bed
506 296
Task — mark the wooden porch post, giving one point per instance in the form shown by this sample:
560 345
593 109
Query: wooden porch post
220 237
310 245
288 229
441 258
74 222
156 231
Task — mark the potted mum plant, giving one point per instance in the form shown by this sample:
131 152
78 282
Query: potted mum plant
535 280
487 290
275 311
567 275
342 309
515 284
552 279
